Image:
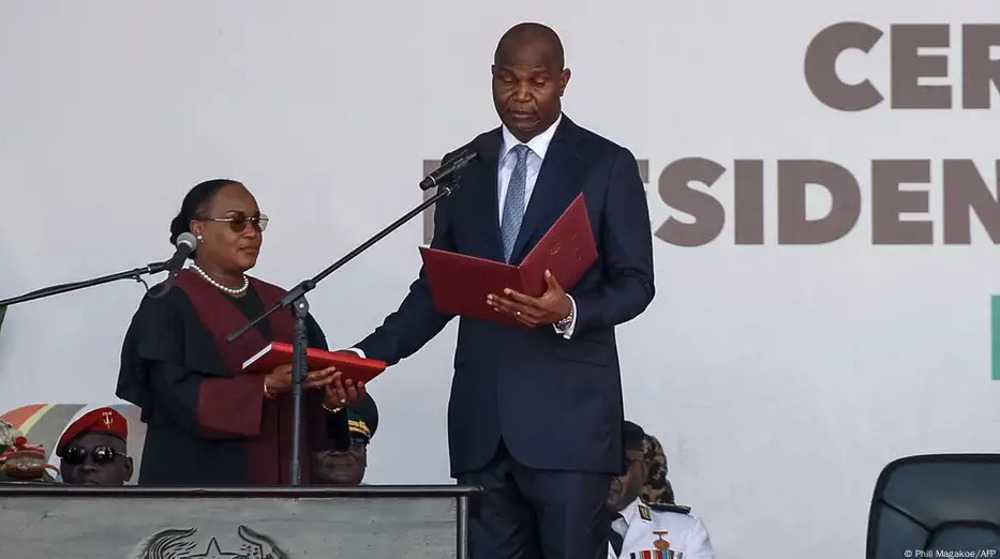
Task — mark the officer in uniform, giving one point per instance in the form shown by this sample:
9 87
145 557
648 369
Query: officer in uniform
656 528
93 450
347 468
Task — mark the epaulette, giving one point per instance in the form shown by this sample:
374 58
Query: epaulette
682 509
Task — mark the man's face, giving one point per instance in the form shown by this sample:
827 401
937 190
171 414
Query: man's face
96 459
527 87
343 468
626 488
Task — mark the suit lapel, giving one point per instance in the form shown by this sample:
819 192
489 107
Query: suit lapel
481 185
556 186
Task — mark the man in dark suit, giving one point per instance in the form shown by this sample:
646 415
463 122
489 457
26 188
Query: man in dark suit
535 414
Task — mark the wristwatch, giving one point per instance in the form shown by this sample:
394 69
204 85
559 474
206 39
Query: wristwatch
564 323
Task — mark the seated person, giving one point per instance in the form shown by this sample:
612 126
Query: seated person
92 450
333 467
12 443
8 435
661 528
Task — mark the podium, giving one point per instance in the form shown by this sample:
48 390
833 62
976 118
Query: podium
68 522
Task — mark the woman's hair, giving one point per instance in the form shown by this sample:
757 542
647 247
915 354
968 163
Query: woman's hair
194 205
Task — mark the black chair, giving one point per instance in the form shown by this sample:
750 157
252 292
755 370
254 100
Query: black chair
947 502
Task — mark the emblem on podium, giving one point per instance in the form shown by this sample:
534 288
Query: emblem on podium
183 543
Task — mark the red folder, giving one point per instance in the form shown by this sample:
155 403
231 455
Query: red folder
460 283
349 364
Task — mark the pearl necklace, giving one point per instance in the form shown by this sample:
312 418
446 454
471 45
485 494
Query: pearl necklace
229 290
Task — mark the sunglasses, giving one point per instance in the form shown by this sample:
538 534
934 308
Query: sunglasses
238 221
76 455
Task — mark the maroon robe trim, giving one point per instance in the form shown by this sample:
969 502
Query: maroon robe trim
235 405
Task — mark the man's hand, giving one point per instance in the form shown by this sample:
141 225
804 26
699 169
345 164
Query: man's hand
341 393
550 308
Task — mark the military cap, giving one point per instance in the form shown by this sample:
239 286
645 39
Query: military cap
658 492
362 418
101 420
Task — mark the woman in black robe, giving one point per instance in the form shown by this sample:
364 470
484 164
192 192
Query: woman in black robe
208 422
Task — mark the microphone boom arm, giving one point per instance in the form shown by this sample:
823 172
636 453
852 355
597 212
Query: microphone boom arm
136 274
308 285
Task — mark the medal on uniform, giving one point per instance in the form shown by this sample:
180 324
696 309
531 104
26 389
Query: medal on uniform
657 554
662 546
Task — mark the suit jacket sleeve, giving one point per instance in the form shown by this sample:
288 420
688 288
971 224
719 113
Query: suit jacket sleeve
626 249
416 321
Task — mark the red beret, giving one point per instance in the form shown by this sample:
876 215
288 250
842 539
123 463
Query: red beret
101 420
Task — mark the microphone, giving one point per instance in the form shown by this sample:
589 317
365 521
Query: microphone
448 168
186 243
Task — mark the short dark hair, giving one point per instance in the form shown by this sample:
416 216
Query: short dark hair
528 32
195 204
632 435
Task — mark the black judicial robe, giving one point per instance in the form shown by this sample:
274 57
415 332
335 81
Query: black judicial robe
207 422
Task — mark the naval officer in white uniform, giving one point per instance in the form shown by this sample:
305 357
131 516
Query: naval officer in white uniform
658 529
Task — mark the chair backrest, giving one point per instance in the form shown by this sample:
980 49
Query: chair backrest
947 502
44 424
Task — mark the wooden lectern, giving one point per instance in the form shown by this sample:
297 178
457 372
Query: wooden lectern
70 522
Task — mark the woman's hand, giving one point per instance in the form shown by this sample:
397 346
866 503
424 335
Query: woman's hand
280 379
342 393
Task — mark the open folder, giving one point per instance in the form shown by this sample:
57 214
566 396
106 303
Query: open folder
460 283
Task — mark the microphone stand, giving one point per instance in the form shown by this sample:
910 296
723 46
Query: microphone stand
135 274
300 307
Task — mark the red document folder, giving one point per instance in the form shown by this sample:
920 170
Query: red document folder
460 283
349 364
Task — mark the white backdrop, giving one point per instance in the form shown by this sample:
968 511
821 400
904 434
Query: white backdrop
781 379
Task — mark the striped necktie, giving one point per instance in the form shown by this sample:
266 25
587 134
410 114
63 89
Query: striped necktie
513 205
